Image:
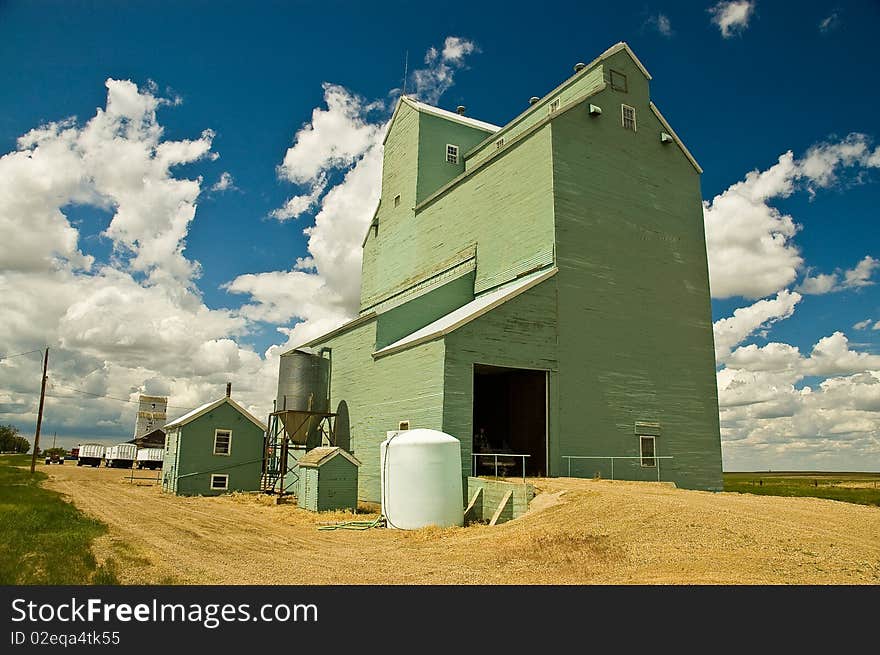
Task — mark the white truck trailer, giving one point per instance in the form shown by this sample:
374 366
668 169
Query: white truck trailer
90 454
150 458
120 456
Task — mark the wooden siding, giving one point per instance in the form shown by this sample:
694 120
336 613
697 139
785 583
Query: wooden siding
372 397
584 85
516 192
635 330
195 461
399 175
331 486
419 312
521 333
433 169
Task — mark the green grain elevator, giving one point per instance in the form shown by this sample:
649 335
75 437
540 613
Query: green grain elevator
328 480
543 282
214 449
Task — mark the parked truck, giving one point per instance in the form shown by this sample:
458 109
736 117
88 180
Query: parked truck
120 456
89 454
150 458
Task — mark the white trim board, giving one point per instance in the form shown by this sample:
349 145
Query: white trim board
679 142
207 407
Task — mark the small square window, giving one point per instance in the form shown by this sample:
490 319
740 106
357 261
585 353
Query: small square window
219 481
451 154
222 442
618 81
403 425
397 200
499 144
553 106
628 117
646 452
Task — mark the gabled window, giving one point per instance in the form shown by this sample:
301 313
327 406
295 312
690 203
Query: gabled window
628 117
451 154
219 481
222 442
618 81
554 105
646 451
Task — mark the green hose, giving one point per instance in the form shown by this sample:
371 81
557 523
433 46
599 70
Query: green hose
355 525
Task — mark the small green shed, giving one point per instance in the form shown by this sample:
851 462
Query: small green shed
328 479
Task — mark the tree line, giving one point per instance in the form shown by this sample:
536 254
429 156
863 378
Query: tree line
11 441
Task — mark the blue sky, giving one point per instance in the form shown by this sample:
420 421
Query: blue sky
253 74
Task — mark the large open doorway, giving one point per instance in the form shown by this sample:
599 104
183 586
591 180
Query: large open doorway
510 417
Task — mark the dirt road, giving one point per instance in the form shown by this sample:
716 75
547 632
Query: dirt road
581 532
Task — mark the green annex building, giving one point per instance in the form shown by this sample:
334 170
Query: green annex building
545 281
213 449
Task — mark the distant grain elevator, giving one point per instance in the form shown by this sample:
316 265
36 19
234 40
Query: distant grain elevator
151 414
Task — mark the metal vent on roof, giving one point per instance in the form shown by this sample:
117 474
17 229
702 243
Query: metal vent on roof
533 100
460 110
579 66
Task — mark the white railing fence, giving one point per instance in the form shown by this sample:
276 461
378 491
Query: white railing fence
656 459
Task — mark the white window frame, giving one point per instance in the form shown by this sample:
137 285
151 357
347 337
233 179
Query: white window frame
451 153
228 450
623 109
642 457
225 477
554 105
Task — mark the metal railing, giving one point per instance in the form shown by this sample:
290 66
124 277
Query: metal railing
157 479
496 456
656 458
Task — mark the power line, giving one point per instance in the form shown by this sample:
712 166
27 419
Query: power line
29 352
100 395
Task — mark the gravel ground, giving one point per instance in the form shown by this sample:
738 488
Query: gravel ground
578 532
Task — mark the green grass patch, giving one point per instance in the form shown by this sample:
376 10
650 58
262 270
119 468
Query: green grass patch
859 488
45 539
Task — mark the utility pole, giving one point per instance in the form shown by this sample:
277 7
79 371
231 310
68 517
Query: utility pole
40 412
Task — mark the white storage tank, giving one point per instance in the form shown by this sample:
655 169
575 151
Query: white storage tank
420 478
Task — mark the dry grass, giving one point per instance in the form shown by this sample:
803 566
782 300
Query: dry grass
577 532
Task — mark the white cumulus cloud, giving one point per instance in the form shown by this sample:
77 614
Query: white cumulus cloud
745 321
732 17
134 323
336 160
224 183
841 280
438 75
661 23
750 243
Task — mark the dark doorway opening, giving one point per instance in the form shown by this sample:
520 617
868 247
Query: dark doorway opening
510 417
